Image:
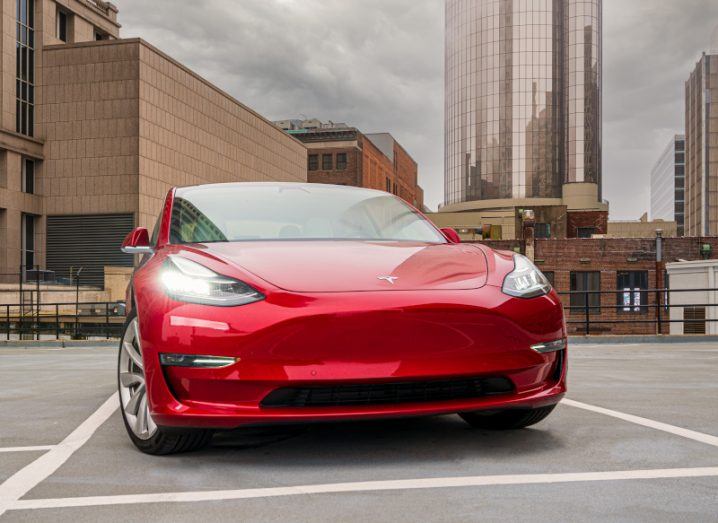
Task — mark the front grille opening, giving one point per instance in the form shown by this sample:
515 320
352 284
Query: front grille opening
388 393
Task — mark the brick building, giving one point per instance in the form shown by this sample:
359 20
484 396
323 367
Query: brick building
620 267
342 155
95 129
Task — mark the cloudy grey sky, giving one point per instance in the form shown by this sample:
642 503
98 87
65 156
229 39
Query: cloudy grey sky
378 65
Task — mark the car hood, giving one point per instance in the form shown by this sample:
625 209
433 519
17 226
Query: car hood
346 266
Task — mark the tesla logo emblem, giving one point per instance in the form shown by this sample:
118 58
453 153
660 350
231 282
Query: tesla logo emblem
390 279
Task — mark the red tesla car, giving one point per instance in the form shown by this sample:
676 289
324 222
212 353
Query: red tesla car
264 303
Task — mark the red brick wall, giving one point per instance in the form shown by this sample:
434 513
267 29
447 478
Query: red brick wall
406 175
609 257
376 167
595 219
349 176
402 173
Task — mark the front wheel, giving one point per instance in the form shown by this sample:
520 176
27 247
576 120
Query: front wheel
141 428
510 419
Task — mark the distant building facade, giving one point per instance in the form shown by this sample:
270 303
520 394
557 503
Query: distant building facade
94 130
342 155
523 114
668 184
523 98
701 215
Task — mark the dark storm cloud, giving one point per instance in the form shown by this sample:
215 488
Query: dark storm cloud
378 64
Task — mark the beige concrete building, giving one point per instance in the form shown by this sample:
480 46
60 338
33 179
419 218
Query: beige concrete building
642 228
96 129
577 214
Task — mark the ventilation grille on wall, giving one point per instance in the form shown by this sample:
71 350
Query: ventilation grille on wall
695 320
88 241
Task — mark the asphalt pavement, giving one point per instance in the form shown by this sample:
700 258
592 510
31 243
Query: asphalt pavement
637 440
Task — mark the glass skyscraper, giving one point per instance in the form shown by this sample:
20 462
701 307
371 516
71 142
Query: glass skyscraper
523 98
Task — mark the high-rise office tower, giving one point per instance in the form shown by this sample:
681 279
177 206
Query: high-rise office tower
701 217
523 101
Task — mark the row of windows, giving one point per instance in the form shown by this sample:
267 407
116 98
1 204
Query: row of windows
25 60
25 67
328 163
631 295
63 27
392 188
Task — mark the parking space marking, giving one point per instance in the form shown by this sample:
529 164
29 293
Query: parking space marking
365 486
20 483
708 439
26 449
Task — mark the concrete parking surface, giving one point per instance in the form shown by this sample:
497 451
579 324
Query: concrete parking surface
636 441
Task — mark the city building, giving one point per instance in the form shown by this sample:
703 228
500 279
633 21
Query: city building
621 277
523 114
642 228
94 130
342 155
668 183
701 208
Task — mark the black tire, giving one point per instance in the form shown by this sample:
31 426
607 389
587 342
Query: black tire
163 440
510 419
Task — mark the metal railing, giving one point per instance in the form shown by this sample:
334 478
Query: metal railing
592 312
54 320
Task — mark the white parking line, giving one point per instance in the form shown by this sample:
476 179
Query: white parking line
365 486
26 449
14 488
657 425
20 483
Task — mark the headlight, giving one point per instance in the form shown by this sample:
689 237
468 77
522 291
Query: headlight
526 280
185 280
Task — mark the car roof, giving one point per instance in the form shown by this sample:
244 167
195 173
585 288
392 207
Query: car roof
240 185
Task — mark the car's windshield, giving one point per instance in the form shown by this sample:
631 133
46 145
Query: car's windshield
232 213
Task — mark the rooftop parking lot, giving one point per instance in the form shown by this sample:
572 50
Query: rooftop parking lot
636 440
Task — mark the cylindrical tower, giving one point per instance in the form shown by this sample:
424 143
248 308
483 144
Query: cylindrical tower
582 90
522 77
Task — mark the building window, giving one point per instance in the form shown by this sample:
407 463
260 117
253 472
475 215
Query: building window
28 176
101 35
396 188
313 162
388 184
25 67
585 232
28 241
327 162
585 285
62 19
632 286
550 276
341 162
542 230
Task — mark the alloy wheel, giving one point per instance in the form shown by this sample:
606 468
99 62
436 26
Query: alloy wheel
133 389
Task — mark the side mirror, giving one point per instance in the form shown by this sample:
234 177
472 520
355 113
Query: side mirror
137 242
451 235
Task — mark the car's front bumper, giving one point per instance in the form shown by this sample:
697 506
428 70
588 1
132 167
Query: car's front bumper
338 340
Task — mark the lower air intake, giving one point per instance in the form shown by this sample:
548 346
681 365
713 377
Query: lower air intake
387 393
